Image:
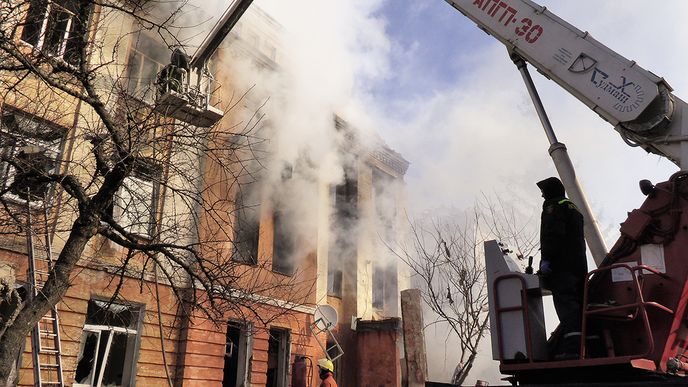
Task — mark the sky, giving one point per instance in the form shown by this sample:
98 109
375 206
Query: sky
447 97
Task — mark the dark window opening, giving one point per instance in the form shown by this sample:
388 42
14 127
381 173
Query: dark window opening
385 288
112 314
108 345
334 282
283 246
30 150
146 58
246 226
237 349
343 238
278 358
53 27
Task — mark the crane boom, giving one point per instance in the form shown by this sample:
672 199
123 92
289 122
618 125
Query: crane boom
221 29
637 102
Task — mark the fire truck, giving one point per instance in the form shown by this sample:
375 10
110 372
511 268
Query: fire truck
634 322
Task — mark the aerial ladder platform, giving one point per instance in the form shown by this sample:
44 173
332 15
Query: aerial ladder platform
185 85
635 304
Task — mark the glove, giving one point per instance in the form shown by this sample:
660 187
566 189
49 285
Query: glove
545 268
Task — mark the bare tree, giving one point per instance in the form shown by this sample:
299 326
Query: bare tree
88 159
446 259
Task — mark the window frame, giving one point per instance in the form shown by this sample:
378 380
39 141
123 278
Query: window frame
54 149
244 213
146 173
145 89
282 263
43 18
131 355
283 337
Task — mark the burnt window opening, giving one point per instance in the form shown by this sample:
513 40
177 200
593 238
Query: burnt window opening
283 245
279 353
343 240
108 345
246 225
237 355
53 26
334 282
135 203
385 288
147 57
30 149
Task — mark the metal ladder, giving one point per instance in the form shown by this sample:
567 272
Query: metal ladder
45 336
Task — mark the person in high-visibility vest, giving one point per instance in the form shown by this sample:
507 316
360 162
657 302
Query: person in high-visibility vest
326 373
563 264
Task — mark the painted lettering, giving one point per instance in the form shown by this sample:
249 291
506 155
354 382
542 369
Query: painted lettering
493 10
512 16
526 24
534 34
502 5
508 15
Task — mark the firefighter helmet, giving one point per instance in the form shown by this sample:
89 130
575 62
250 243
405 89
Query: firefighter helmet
326 364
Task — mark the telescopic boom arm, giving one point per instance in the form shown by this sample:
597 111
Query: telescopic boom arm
638 103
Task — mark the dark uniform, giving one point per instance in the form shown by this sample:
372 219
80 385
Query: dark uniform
563 261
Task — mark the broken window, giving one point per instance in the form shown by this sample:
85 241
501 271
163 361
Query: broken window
385 288
246 225
343 240
146 58
108 345
279 353
30 150
52 26
237 355
283 245
136 200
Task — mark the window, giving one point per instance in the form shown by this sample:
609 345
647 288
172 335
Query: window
385 288
246 225
237 355
30 150
283 245
146 58
51 26
343 238
108 345
279 353
136 200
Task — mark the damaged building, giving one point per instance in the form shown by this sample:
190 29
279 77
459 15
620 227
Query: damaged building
230 296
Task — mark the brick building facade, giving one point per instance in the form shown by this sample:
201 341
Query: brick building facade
145 336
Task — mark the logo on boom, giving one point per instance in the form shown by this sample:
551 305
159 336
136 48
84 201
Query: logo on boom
628 94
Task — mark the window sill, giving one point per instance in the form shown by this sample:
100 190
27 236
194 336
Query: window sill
50 59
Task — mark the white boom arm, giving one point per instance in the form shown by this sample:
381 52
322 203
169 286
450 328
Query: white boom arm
638 103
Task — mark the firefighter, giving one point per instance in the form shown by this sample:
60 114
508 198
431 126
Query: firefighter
563 264
326 373
172 76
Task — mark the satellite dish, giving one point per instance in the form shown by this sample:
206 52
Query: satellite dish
325 317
